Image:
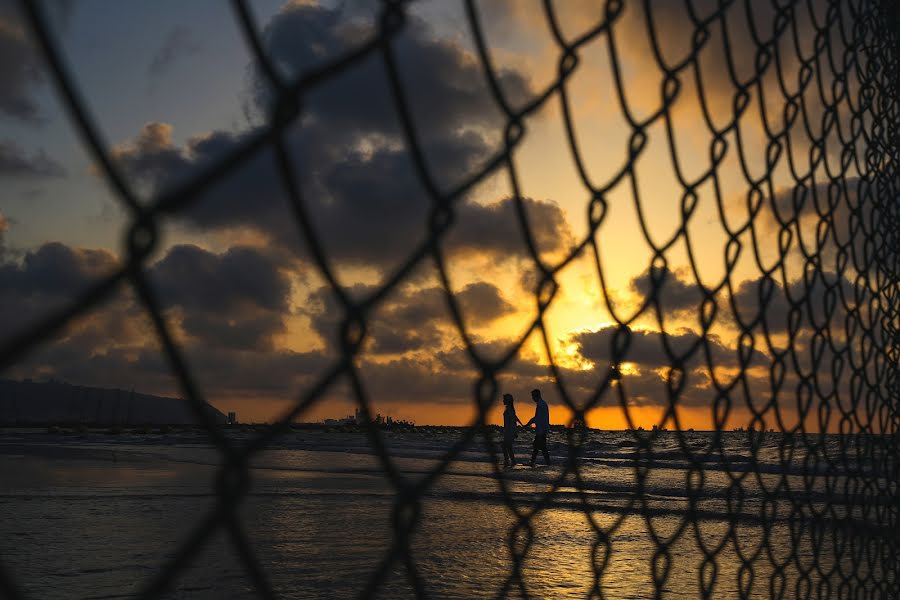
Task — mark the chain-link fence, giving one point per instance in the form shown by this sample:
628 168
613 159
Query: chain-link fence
810 132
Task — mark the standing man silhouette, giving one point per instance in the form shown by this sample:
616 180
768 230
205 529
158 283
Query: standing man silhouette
541 420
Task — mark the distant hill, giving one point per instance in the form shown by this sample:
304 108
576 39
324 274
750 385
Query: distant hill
46 403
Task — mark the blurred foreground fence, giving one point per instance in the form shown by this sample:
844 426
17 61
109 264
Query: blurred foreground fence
810 128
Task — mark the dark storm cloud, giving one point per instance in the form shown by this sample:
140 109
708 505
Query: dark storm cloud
15 162
153 159
44 280
227 307
198 279
449 375
21 72
278 373
650 349
371 210
495 228
821 302
677 295
178 43
237 298
831 202
359 182
651 384
446 86
846 213
415 379
648 387
420 319
250 196
55 269
410 319
4 227
21 67
221 371
482 302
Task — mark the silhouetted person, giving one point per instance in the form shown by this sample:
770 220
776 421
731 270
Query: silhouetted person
510 426
541 420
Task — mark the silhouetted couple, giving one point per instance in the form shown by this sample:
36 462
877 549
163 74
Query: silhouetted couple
541 420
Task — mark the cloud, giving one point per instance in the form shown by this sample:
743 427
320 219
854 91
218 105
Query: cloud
652 354
227 307
4 227
822 301
410 319
224 307
14 162
645 386
178 43
368 207
44 280
676 294
446 85
495 228
654 350
415 379
358 179
57 270
237 299
194 278
20 69
253 375
152 157
483 302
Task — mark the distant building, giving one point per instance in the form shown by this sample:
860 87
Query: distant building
358 418
24 403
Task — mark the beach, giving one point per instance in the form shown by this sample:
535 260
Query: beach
94 515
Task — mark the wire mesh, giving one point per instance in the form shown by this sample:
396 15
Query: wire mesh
838 369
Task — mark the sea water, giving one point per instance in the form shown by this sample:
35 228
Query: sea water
100 516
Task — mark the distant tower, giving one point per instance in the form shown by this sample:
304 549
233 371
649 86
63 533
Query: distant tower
232 418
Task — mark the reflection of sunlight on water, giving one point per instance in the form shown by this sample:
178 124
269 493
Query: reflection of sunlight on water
320 525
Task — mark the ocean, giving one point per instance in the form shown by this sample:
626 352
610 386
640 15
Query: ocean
94 515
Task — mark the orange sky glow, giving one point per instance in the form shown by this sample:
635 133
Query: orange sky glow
674 192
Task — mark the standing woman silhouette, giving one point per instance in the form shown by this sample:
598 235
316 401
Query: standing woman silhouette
510 422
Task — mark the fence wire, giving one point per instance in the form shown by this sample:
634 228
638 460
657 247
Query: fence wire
838 368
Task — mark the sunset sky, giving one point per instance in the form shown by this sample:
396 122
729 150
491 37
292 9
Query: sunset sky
173 86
